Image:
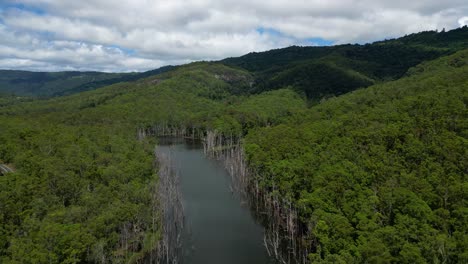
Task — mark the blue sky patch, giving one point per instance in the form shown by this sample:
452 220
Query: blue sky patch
23 7
320 41
270 31
125 50
299 41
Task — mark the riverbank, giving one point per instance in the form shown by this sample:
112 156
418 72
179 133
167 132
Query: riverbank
218 228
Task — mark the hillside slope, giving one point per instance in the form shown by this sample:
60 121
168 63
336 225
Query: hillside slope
353 66
378 175
316 72
85 186
47 84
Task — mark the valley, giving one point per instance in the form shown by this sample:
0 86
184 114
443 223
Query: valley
352 154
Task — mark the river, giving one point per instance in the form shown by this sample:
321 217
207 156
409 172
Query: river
219 228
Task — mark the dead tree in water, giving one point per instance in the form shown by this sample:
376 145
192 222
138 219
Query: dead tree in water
164 129
167 210
171 210
283 234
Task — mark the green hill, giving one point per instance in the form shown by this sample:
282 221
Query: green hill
83 178
338 69
376 175
316 72
47 84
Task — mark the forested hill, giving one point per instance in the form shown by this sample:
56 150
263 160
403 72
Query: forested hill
47 84
326 71
377 175
84 188
316 72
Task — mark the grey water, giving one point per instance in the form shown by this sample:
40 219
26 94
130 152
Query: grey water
219 228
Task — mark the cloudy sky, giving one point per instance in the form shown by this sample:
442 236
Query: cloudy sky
138 35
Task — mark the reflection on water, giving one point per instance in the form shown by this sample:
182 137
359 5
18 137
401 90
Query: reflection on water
219 229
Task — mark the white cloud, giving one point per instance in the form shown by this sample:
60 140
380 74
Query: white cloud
144 34
463 21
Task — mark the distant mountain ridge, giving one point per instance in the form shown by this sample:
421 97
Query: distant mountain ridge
49 84
328 71
315 72
376 175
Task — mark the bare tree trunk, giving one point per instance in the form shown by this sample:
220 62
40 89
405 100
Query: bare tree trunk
282 229
171 210
285 236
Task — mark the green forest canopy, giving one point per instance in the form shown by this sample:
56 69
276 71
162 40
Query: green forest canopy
378 174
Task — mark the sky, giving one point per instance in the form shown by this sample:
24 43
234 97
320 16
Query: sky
139 35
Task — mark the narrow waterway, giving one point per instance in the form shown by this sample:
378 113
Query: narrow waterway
219 228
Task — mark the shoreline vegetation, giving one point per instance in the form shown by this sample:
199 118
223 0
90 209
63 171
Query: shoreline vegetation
288 237
372 171
171 212
284 233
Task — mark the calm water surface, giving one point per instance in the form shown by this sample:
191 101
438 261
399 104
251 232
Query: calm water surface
219 229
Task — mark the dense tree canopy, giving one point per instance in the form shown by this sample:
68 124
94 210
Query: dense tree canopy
378 174
323 71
